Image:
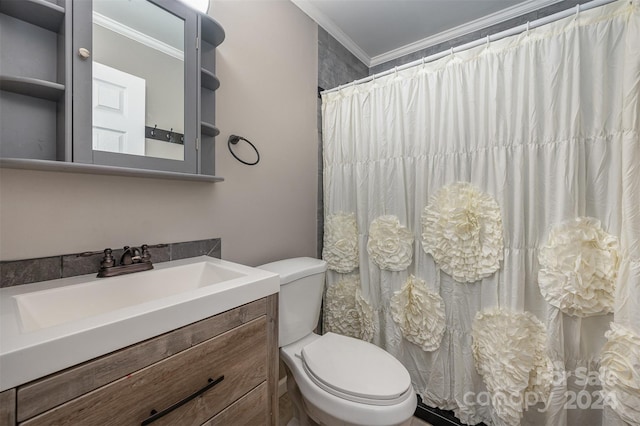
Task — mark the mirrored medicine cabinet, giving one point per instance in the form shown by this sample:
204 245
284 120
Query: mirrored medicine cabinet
108 86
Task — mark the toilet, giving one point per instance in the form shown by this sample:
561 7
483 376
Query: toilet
333 379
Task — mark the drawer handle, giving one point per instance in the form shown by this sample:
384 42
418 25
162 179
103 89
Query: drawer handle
155 415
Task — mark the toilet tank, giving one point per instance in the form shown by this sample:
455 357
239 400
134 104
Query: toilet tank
300 297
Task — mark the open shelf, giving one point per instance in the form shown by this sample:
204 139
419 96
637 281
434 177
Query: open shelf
62 166
32 87
212 31
209 129
209 80
37 12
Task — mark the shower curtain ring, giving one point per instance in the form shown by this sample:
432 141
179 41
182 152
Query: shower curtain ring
577 11
527 28
488 40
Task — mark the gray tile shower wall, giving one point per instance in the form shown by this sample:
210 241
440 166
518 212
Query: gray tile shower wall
17 272
336 65
467 38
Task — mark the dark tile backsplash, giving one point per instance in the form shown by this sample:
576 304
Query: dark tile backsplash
30 270
196 248
16 272
82 263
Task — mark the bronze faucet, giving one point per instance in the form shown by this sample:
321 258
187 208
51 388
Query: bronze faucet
133 259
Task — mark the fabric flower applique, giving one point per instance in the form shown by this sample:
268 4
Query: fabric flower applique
340 249
620 372
390 244
579 267
346 311
510 354
419 313
462 230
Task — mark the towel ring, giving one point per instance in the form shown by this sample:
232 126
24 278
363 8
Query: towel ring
233 139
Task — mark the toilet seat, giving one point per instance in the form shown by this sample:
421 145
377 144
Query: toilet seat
355 370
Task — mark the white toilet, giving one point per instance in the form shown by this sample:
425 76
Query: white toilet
334 379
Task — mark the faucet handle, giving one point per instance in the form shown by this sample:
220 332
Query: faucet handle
146 256
107 261
135 255
125 259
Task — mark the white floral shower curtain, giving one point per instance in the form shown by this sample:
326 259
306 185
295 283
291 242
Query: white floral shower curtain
546 123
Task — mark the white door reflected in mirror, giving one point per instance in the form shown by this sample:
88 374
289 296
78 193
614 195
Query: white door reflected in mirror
139 39
118 111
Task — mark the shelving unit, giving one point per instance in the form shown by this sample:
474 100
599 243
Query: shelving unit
209 129
34 77
211 31
41 82
41 13
96 169
211 35
32 87
209 80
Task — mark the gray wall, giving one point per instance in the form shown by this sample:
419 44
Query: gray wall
262 213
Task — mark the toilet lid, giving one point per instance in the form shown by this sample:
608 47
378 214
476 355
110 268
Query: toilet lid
355 370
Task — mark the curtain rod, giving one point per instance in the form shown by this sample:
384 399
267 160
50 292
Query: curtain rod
493 37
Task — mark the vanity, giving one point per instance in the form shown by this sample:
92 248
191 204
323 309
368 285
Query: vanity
109 87
192 342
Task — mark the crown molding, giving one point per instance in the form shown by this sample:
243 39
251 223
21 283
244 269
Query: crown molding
325 22
123 30
484 22
487 21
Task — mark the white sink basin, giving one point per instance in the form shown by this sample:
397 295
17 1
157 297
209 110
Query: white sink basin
46 308
51 325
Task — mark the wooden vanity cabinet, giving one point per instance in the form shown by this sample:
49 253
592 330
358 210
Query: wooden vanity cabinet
8 407
218 371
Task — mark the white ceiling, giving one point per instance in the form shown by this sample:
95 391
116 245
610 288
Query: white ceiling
377 31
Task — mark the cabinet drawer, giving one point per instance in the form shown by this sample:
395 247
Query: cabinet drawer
42 395
250 410
240 355
8 407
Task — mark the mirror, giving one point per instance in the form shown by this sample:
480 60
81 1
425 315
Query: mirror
138 73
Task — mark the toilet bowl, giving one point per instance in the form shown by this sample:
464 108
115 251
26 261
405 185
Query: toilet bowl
343 395
332 379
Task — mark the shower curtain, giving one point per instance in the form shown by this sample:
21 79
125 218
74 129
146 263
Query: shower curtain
547 123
